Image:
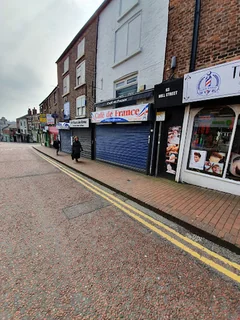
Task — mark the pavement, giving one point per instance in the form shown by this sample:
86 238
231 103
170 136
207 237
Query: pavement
209 213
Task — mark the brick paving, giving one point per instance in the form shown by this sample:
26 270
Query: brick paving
213 212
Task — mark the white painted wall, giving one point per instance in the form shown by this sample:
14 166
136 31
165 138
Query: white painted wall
23 127
149 62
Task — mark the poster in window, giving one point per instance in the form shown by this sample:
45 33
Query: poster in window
172 150
235 165
214 163
197 159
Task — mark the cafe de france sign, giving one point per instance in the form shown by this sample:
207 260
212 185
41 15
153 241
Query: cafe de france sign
215 82
134 113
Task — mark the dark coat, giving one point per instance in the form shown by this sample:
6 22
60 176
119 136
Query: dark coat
56 144
76 149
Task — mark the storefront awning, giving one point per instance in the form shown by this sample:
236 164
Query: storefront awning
140 95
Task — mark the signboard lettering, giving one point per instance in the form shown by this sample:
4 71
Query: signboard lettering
125 114
79 123
168 94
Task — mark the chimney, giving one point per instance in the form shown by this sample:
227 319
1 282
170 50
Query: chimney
34 111
29 112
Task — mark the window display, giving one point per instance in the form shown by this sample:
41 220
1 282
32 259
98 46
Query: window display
234 163
212 130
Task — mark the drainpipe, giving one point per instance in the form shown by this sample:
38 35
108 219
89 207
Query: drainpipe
94 82
195 35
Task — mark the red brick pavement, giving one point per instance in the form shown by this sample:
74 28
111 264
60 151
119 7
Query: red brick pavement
214 212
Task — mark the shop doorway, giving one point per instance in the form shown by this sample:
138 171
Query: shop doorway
167 142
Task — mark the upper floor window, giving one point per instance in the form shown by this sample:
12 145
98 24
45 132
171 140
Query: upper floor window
126 6
128 39
66 65
66 83
81 106
127 86
80 74
81 49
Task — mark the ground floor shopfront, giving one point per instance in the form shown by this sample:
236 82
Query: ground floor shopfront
211 130
169 114
80 128
211 157
124 136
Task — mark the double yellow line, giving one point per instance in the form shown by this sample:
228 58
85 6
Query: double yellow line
151 223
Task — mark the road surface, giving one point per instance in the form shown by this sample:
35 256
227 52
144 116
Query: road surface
67 252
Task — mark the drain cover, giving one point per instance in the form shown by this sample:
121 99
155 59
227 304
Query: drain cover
85 207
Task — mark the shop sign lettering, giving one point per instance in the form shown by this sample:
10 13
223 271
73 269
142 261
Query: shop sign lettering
80 123
125 114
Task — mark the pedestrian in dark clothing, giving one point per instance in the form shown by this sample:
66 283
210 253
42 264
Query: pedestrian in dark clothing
76 149
56 145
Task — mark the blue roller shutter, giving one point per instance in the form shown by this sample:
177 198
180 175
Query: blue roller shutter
65 137
125 145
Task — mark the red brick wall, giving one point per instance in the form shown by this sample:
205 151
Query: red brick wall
90 57
179 39
219 34
49 106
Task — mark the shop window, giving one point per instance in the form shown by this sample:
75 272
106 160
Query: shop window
212 130
233 171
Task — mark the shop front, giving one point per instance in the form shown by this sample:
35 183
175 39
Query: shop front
169 112
82 129
53 134
65 136
124 136
211 157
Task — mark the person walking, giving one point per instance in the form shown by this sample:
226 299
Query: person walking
56 145
76 149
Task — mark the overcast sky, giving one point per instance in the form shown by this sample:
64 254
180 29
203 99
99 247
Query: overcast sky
33 34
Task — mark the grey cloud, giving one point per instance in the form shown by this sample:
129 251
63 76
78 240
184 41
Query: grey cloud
33 34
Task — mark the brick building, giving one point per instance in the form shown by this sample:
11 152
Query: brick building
76 68
202 74
218 37
50 114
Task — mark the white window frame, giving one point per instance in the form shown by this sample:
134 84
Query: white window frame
81 107
125 82
66 65
82 77
66 86
80 49
123 14
138 50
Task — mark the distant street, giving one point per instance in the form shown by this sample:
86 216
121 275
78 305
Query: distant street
68 253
